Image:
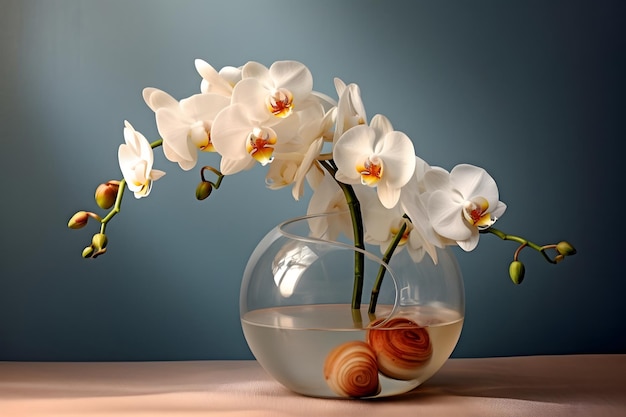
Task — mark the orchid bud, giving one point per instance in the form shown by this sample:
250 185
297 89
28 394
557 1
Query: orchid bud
99 241
88 252
78 220
516 272
106 194
565 249
203 190
558 258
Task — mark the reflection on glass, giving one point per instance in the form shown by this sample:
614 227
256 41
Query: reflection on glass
289 265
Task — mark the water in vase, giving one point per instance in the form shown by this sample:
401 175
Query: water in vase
297 346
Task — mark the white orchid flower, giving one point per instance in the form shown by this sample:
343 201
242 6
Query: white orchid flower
242 140
376 156
185 126
271 94
462 202
136 159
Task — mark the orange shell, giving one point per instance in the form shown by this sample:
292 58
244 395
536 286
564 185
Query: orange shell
402 347
350 370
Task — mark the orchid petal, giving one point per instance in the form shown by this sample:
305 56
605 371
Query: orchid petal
156 99
294 76
381 125
387 194
311 154
213 81
229 132
473 181
250 94
398 152
446 217
258 71
204 106
353 147
232 166
471 242
174 127
232 75
436 178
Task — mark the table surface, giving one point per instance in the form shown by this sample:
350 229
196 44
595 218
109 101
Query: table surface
564 385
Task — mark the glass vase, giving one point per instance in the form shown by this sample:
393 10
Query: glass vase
312 329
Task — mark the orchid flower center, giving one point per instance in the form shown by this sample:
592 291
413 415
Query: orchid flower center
475 212
280 103
260 144
200 136
371 171
145 187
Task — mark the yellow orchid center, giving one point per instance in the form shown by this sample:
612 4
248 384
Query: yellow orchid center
145 187
280 103
200 135
475 212
371 171
209 146
260 145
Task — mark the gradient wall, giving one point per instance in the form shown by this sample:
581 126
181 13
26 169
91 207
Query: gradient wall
532 91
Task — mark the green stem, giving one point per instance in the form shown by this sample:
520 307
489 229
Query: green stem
116 206
523 242
381 271
357 227
220 176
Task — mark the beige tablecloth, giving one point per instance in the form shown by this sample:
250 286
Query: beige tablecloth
571 385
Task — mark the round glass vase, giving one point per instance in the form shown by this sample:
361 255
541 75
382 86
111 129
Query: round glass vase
302 323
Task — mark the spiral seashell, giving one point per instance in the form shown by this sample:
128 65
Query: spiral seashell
350 370
402 347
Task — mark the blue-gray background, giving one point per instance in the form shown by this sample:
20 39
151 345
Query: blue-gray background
533 91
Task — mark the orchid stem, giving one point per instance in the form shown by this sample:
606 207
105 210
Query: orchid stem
523 242
357 227
220 176
381 271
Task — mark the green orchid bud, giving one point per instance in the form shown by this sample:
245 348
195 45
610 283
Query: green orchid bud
106 194
78 220
565 249
516 272
203 190
88 252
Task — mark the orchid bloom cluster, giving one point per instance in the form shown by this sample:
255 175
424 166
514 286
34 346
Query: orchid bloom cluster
254 115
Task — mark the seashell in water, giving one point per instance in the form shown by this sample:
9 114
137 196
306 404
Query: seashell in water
402 347
350 370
